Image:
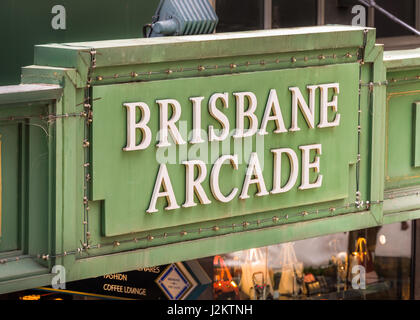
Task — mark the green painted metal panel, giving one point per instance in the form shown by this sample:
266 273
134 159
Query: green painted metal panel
125 180
115 61
416 134
10 169
27 192
400 129
199 47
402 174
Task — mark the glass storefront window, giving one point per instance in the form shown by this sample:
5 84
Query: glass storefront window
404 10
240 15
371 263
290 14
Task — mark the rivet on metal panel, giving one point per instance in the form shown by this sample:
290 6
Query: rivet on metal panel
215 228
293 59
275 219
99 78
233 66
183 233
85 143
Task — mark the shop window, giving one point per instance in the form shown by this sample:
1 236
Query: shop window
342 12
294 13
404 10
240 15
365 264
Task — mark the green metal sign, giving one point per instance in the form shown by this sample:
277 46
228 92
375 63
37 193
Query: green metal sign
299 136
162 150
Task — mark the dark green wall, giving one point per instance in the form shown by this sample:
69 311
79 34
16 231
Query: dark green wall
24 23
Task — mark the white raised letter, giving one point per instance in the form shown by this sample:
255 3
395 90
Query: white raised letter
164 181
249 113
306 166
277 170
219 116
169 124
192 184
196 131
132 126
323 117
214 178
308 112
272 104
254 169
59 20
